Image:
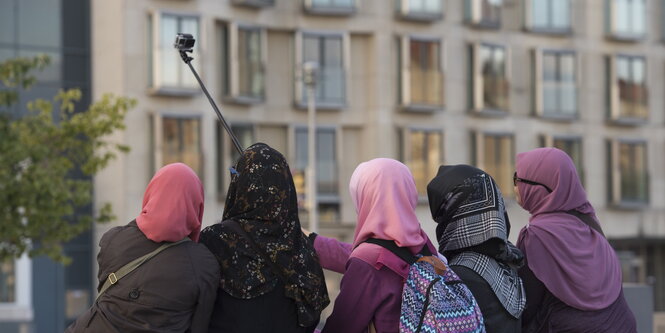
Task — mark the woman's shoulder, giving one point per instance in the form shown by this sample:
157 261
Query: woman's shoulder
121 234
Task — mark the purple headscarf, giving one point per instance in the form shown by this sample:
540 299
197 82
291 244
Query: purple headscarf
575 263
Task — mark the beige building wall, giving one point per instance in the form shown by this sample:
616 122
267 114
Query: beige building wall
367 127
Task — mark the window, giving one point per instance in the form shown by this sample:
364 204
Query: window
7 282
15 290
490 79
227 154
422 152
326 159
629 177
421 74
425 10
244 59
556 84
255 3
572 145
330 7
168 74
483 13
626 19
178 139
326 173
495 154
328 50
628 93
549 15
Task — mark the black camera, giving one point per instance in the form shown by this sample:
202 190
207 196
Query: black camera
184 42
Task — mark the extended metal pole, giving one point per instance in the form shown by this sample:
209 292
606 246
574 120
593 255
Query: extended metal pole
309 75
188 60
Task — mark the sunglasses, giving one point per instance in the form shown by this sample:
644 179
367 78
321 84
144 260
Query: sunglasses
526 181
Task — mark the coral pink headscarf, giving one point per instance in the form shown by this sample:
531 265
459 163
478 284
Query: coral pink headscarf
172 205
385 197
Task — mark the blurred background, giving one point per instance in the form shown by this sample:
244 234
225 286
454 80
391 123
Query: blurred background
428 82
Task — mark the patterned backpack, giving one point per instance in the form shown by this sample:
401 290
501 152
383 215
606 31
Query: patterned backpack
434 300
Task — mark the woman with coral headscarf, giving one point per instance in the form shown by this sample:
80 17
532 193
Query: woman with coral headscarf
572 277
385 197
175 290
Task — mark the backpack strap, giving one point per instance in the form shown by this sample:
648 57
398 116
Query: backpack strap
588 220
402 252
114 277
235 226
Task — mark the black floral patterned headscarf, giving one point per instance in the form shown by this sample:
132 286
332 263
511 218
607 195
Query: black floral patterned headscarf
262 199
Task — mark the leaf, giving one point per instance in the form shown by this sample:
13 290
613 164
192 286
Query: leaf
47 160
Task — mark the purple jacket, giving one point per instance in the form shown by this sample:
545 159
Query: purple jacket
366 295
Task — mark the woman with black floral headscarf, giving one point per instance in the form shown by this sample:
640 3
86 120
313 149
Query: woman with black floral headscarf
472 231
286 293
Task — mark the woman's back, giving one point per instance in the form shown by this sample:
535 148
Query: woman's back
269 313
172 292
572 272
271 280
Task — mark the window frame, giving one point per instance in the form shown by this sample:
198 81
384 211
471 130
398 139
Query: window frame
254 3
538 84
292 143
477 80
299 90
548 30
405 73
610 24
547 140
20 310
155 86
478 158
613 92
615 191
403 9
474 18
231 69
157 122
224 149
312 8
406 149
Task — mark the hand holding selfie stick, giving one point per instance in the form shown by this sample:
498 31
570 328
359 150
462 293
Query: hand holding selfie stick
184 43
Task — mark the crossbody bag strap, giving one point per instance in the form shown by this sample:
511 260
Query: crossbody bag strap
402 252
235 226
114 277
588 220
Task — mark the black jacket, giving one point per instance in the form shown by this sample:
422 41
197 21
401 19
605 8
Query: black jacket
269 313
497 319
172 292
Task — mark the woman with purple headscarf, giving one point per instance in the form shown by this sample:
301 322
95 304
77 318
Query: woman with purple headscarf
572 277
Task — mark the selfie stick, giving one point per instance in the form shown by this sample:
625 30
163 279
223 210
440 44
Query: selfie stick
188 60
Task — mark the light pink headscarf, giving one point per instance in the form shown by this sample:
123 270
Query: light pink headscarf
385 196
172 205
575 262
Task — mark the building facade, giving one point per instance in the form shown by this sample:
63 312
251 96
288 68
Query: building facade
428 82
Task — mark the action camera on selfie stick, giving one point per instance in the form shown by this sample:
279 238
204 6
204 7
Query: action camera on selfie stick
184 43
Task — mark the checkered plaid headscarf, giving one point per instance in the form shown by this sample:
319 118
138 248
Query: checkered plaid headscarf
473 230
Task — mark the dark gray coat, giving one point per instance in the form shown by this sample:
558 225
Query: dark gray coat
173 292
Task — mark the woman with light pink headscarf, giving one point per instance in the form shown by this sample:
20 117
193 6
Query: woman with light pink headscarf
572 277
385 196
175 290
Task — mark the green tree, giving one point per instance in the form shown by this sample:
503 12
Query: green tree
47 158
